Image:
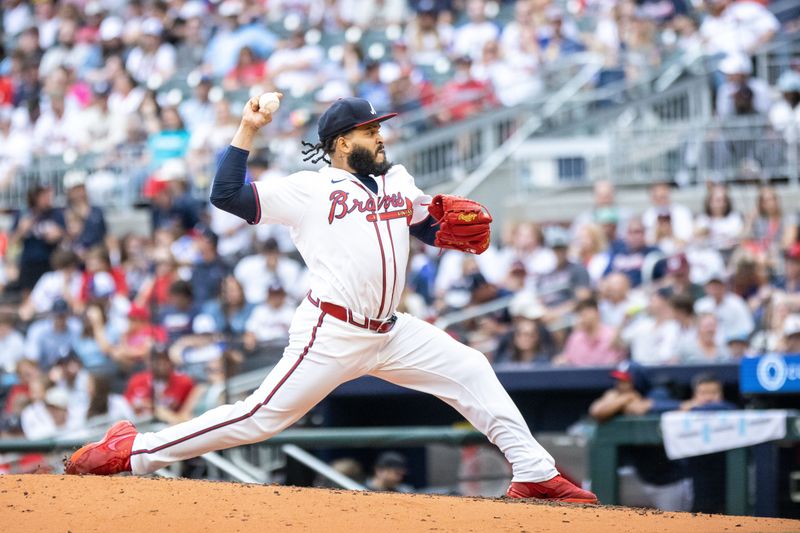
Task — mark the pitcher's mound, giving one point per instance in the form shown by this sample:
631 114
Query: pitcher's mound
80 504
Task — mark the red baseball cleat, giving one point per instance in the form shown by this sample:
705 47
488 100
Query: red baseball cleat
107 457
556 489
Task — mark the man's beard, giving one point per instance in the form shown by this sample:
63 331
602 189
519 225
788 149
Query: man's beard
364 162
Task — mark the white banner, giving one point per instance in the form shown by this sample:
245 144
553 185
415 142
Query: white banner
687 434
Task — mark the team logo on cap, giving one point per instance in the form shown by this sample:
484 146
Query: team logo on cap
372 109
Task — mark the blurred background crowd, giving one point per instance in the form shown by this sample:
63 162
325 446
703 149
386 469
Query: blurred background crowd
98 325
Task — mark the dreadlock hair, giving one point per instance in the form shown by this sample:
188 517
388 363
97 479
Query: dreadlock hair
312 152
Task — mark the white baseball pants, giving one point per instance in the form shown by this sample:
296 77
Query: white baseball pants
324 352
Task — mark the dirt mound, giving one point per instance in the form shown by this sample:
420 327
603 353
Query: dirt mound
63 503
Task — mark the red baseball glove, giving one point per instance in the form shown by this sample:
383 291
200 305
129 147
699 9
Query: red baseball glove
463 223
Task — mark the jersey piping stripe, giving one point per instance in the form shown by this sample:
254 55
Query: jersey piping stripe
394 256
258 203
254 410
383 256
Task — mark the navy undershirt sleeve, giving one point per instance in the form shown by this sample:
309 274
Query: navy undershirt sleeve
425 230
230 192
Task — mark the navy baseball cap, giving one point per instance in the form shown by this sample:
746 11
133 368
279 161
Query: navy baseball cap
346 114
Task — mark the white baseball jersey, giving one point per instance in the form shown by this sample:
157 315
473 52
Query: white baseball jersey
355 243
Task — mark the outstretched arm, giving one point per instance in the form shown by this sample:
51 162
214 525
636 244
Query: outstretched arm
229 191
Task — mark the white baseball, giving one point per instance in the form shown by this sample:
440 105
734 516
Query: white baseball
269 102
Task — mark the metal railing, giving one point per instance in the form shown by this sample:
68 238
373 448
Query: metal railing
696 151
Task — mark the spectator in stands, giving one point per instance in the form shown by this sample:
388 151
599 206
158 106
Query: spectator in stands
784 116
152 61
90 219
664 481
708 471
428 40
249 70
737 347
100 277
789 283
725 225
126 96
105 126
703 258
173 207
19 395
207 275
38 230
661 205
198 110
49 414
88 349
519 39
50 338
257 272
590 249
683 312
470 38
137 342
554 41
176 316
591 342
664 237
295 65
741 94
603 203
463 96
628 255
12 344
767 230
390 470
104 405
678 281
63 282
652 336
567 283
154 291
56 129
737 27
527 246
170 141
69 375
15 148
513 82
231 310
202 344
790 341
616 299
528 341
159 391
730 309
269 321
189 50
708 347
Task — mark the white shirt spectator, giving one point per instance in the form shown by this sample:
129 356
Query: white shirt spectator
297 68
652 343
252 274
471 37
12 350
143 65
740 28
54 134
270 324
724 232
703 262
682 221
52 286
732 313
762 99
16 19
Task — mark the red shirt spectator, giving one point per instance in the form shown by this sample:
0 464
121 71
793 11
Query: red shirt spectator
159 388
591 343
464 96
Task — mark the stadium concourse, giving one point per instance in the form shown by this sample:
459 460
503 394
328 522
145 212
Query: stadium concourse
108 105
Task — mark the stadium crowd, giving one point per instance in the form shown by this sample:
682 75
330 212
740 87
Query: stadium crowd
96 326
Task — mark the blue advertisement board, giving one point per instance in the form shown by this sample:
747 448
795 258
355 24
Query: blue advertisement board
771 373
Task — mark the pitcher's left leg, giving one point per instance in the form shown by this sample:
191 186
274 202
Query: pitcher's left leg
424 358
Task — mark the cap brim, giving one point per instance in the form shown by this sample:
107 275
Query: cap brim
376 119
